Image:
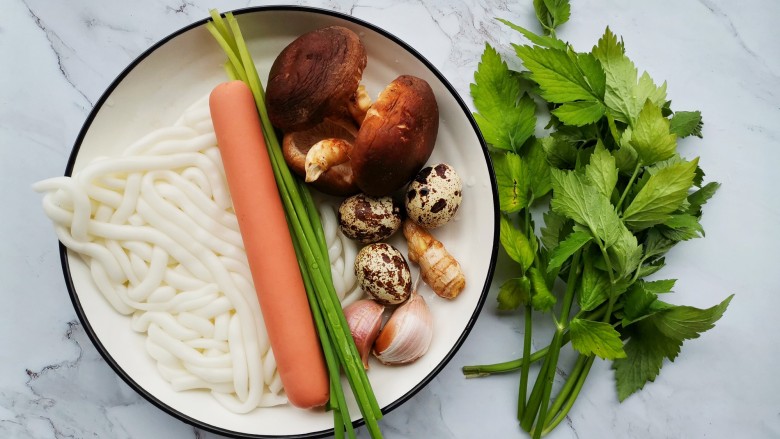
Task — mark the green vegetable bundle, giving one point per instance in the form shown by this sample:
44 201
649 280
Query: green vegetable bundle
616 196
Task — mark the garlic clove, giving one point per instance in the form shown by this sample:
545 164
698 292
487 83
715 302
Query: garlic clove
364 319
407 334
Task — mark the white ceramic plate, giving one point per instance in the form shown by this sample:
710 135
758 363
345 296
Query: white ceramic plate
155 89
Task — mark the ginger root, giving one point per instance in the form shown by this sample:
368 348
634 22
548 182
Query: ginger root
438 268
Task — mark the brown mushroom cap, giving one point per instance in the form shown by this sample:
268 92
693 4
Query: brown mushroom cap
339 179
314 77
396 137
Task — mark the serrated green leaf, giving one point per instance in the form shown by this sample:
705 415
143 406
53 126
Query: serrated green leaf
697 199
686 123
505 115
659 286
655 244
636 304
579 113
663 194
602 170
581 201
625 253
511 180
625 95
567 248
596 338
539 40
558 75
542 299
555 227
534 160
594 73
608 47
560 153
657 337
513 293
687 322
552 13
626 158
682 227
515 243
645 352
650 136
593 289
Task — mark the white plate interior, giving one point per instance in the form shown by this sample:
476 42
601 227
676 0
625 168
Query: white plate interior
158 89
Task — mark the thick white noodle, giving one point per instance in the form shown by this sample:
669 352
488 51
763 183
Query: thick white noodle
156 229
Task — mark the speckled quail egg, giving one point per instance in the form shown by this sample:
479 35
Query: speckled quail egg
434 196
369 219
382 272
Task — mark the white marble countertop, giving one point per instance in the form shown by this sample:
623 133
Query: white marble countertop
718 56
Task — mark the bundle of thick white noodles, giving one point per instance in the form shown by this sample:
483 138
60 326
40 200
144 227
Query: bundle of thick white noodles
156 228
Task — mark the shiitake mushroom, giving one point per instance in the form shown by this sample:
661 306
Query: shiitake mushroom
397 136
315 80
314 77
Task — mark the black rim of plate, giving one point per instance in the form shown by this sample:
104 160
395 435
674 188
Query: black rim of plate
316 434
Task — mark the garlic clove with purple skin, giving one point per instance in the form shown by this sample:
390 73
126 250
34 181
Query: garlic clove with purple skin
364 319
407 334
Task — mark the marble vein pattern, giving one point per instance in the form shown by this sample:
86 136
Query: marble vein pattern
720 57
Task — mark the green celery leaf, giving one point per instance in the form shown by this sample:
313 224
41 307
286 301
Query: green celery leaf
686 322
650 136
552 13
512 181
697 199
556 226
626 158
515 243
513 293
656 244
602 170
558 75
594 73
682 227
652 267
598 338
579 113
542 298
659 286
640 298
537 169
625 95
505 115
594 286
625 253
539 40
561 154
686 123
645 352
567 248
660 336
637 304
664 193
575 198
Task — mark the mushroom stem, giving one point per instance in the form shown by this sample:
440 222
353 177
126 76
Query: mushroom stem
325 154
359 104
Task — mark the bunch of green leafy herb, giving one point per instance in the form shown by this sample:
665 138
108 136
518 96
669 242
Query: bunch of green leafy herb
616 197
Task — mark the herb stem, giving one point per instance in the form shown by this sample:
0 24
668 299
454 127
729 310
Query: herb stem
526 362
619 206
572 397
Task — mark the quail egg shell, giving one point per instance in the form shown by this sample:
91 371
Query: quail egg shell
369 219
382 272
433 197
